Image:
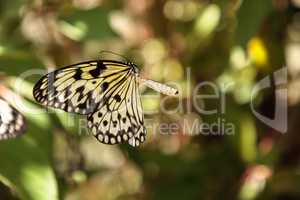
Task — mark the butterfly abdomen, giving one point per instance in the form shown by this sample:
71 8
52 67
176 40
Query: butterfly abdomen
161 88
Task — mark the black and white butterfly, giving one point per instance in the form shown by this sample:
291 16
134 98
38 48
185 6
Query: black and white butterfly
104 90
12 122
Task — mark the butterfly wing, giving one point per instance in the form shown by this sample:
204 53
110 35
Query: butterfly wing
121 118
106 91
138 116
81 88
12 123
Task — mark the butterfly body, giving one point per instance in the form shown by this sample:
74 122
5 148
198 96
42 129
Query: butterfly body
104 90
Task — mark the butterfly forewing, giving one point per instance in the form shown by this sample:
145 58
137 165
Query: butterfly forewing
12 122
80 88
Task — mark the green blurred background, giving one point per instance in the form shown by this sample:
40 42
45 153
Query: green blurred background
186 42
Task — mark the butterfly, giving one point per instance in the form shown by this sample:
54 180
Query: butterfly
106 91
12 122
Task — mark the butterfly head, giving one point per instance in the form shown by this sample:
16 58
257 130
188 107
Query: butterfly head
134 67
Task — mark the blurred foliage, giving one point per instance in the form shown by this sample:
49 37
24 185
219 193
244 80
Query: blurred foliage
230 44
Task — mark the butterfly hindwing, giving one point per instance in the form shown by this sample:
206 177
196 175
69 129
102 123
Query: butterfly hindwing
80 88
12 122
137 115
120 119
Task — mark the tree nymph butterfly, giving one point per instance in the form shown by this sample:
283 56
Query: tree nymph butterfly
104 90
12 122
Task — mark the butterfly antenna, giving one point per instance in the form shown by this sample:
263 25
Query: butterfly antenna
110 52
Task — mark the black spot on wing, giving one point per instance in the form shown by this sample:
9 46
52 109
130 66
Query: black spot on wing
77 74
82 106
100 65
115 123
68 91
105 123
80 89
98 70
104 86
117 98
95 72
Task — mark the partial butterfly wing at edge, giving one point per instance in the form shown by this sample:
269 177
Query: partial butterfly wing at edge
12 122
